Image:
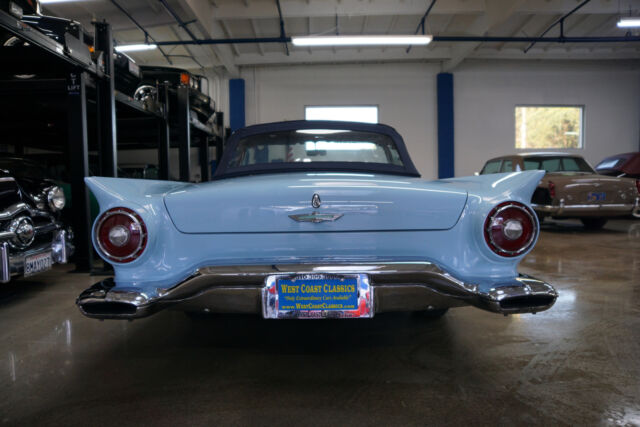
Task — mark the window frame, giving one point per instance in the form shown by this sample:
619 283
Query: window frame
582 136
377 107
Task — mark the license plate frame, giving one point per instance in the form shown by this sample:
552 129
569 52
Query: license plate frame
37 263
275 306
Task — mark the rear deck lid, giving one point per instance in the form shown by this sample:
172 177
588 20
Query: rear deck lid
279 203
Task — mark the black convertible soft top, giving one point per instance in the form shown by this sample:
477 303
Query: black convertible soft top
224 171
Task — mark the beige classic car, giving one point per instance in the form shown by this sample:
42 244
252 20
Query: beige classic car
572 189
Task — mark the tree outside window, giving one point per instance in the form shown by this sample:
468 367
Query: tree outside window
549 126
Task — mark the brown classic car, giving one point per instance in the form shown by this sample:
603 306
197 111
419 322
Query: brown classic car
572 189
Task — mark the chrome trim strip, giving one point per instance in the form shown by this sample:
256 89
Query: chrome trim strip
428 277
316 217
559 209
7 235
13 210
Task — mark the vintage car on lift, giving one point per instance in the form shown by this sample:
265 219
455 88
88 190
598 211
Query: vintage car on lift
572 189
32 237
321 219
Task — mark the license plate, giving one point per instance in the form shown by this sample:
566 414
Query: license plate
596 197
318 296
38 263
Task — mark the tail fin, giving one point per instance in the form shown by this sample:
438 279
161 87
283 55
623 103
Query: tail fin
518 186
112 192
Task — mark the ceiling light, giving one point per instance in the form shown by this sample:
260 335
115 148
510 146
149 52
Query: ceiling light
629 22
135 47
361 40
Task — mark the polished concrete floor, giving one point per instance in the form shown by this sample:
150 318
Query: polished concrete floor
578 363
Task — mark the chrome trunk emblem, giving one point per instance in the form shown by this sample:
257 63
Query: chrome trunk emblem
315 217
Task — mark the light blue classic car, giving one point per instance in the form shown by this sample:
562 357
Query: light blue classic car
316 219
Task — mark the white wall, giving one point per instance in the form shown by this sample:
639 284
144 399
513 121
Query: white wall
485 94
404 93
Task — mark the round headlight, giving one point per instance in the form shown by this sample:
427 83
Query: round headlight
56 199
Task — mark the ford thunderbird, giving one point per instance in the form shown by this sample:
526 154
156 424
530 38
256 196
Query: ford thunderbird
316 219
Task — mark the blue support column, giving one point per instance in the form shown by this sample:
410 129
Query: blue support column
236 104
445 126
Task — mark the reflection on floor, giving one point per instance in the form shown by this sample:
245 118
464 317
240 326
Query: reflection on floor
577 363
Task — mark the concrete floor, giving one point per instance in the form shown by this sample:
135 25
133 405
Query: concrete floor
578 363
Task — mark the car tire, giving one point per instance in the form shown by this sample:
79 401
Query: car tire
434 313
593 223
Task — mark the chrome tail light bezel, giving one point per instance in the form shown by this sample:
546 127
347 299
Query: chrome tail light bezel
488 234
135 219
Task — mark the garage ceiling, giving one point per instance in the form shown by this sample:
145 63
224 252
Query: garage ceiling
259 18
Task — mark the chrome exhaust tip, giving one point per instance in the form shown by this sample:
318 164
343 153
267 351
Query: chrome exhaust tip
527 295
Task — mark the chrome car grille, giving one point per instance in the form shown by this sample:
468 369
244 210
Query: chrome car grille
22 226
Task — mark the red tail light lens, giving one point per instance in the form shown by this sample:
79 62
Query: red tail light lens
510 229
638 186
121 235
552 190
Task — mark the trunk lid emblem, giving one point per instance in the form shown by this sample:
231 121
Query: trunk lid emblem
315 201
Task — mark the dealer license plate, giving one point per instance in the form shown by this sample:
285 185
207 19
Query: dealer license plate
596 196
38 263
318 296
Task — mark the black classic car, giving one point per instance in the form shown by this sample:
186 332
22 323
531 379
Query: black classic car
32 236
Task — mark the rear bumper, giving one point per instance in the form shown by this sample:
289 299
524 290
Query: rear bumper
12 264
410 286
599 209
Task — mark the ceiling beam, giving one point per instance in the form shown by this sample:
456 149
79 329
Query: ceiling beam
263 9
256 33
302 56
496 13
203 11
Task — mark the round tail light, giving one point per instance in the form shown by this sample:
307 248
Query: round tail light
121 235
510 229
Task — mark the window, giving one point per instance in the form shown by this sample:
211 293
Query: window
549 126
557 164
491 167
316 145
366 114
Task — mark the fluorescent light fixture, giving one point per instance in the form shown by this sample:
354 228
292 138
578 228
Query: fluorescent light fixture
361 40
629 22
135 47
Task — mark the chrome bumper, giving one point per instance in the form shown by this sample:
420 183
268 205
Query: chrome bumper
562 209
410 286
12 264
